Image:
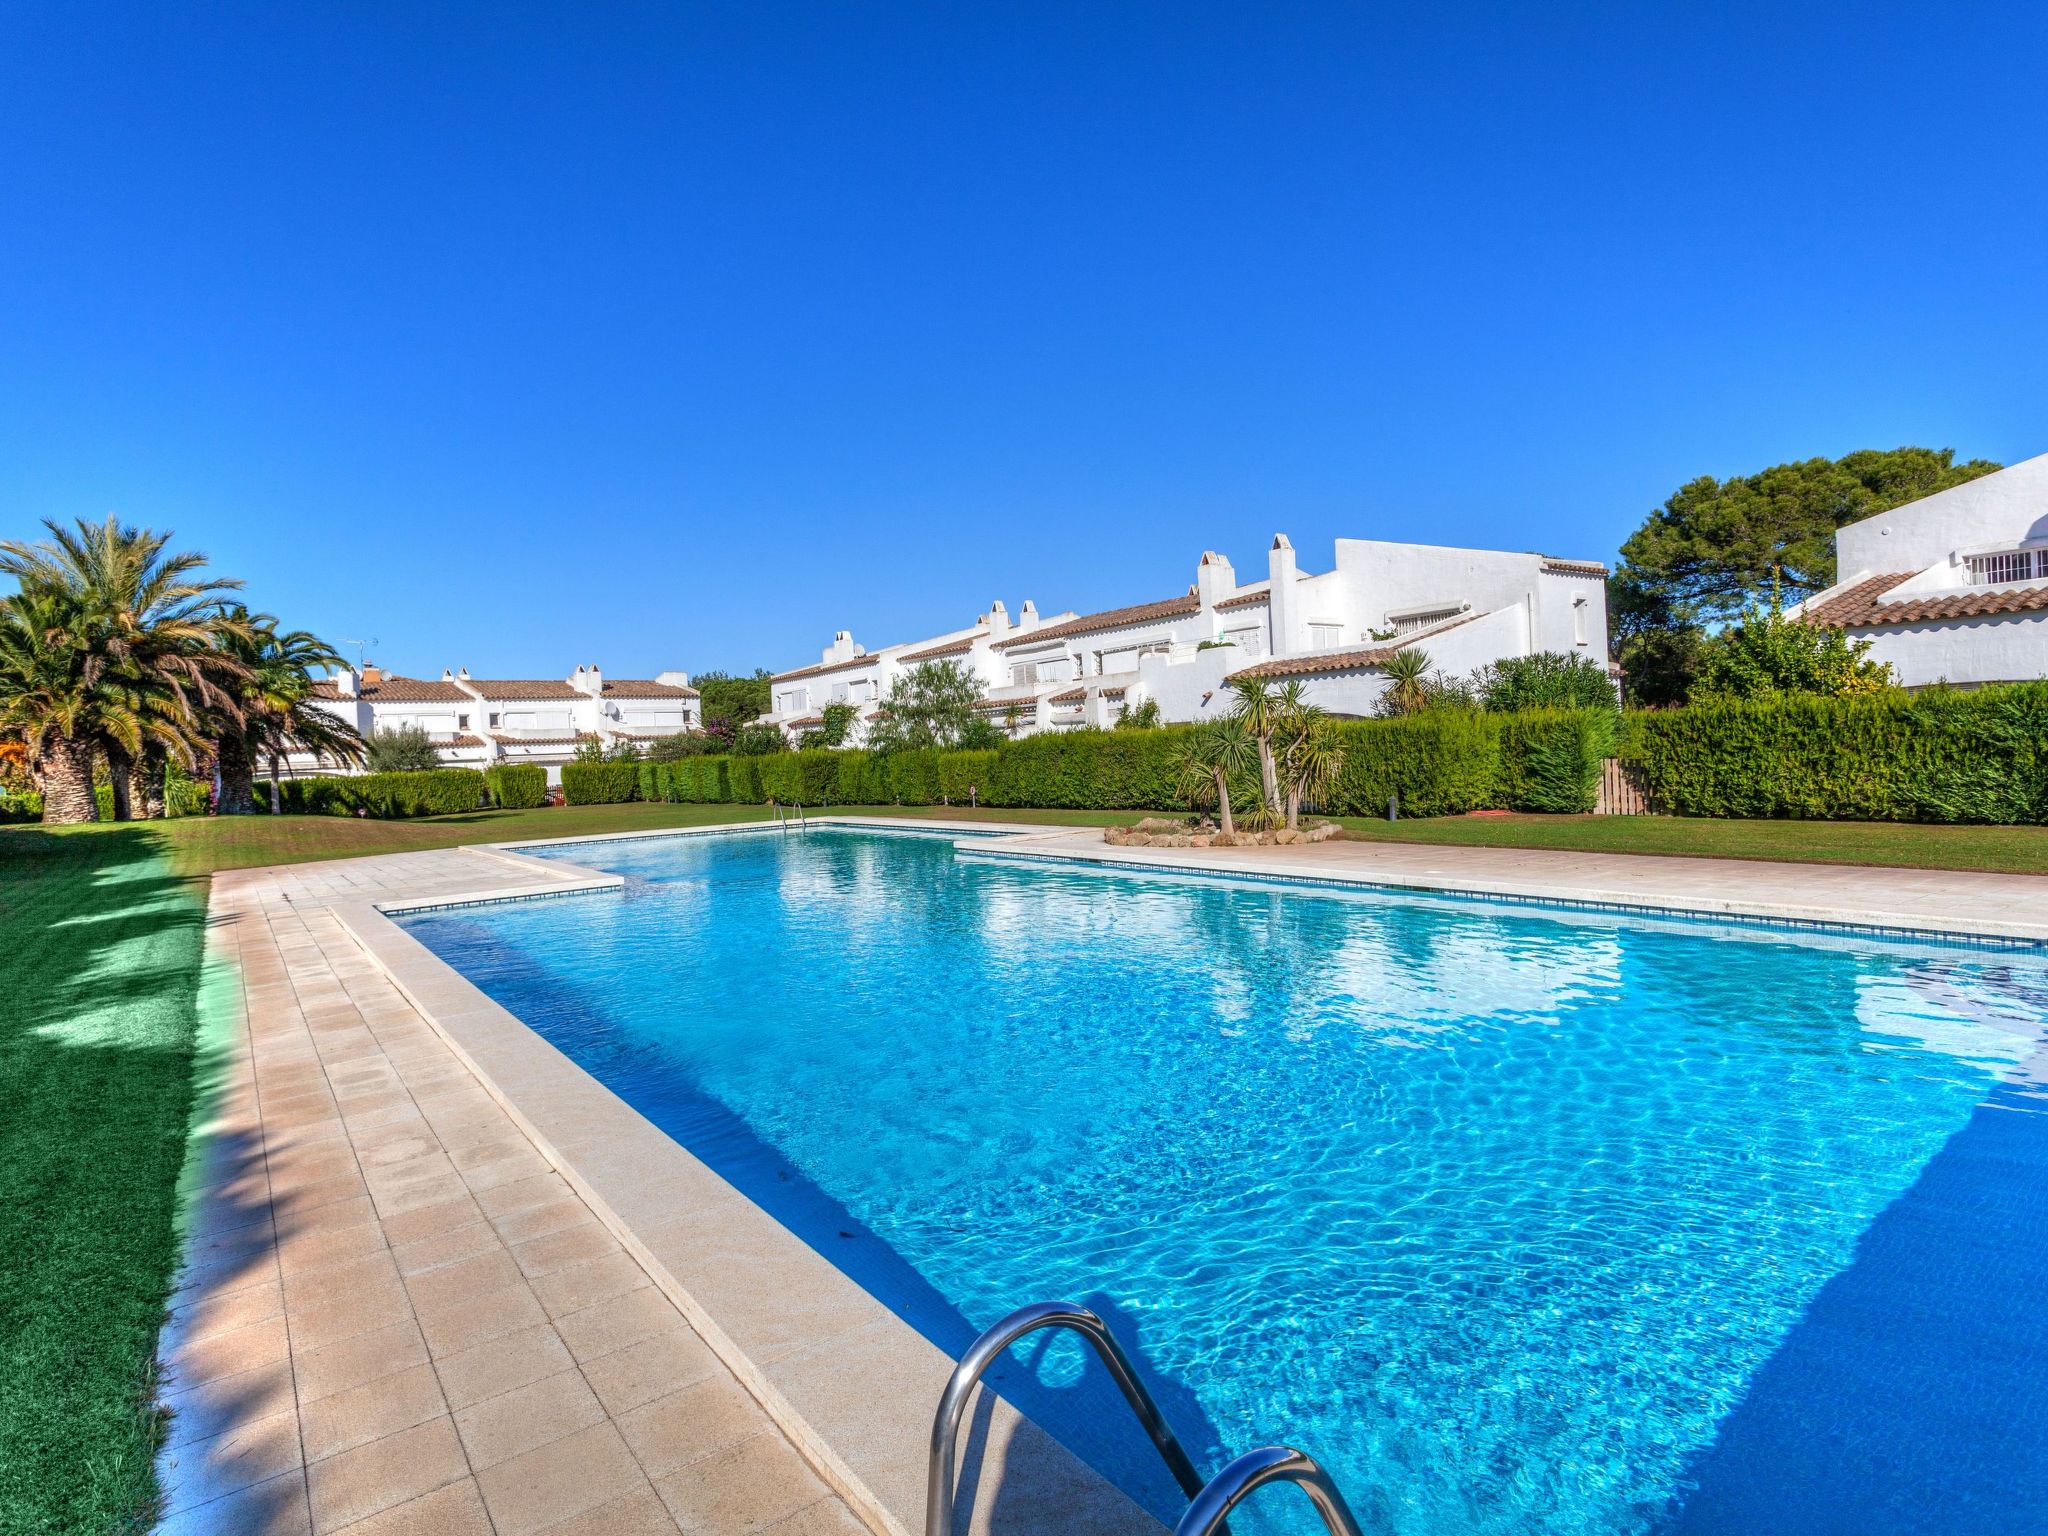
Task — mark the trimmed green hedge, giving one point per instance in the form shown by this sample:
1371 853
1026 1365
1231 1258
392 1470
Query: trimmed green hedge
1942 756
516 786
1087 771
1550 758
387 796
600 783
1442 763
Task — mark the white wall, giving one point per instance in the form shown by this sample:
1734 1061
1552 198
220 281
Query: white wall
2006 508
2000 649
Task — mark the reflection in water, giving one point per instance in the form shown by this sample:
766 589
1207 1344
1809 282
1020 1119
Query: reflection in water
1495 1214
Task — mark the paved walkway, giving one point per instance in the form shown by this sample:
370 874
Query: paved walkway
1951 900
396 1317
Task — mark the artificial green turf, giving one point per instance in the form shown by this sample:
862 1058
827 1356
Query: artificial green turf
100 962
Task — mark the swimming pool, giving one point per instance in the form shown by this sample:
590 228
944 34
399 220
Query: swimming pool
1519 1224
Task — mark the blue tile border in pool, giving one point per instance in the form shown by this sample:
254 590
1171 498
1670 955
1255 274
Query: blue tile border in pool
1945 937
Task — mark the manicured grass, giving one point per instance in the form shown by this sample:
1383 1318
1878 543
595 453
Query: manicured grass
2010 850
100 965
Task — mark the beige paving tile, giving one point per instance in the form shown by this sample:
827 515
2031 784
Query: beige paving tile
569 1477
638 1374
638 1514
473 1320
367 1357
227 1354
250 1452
455 1510
563 1250
501 1364
614 1324
585 1285
345 1420
740 1490
273 1508
374 1477
501 1427
688 1425
201 1412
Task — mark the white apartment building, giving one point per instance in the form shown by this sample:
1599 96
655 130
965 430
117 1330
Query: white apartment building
1952 587
476 722
1334 630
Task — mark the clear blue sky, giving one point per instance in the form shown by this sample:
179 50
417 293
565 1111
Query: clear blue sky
522 336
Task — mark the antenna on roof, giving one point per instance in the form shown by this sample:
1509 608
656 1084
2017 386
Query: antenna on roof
360 645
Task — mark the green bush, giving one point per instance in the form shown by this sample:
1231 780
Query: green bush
183 794
387 796
1087 770
600 783
912 778
1941 755
960 771
517 786
1442 762
20 805
1550 758
743 780
808 777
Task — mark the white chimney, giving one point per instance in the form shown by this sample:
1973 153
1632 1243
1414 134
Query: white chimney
1214 579
1027 616
673 679
997 620
345 682
1283 607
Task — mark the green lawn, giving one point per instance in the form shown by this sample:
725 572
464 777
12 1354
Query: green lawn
100 950
100 1004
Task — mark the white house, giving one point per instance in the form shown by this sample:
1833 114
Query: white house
1952 587
475 722
1334 630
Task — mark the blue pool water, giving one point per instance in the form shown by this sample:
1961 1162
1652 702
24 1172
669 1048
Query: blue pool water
1520 1224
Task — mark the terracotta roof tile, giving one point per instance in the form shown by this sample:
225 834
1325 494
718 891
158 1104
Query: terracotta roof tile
943 649
1027 702
1573 567
535 741
396 690
644 688
524 688
1862 606
804 721
1071 696
1358 659
1258 592
1112 618
818 669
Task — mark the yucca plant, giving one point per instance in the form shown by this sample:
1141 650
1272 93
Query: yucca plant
1206 762
1256 713
1309 751
1405 672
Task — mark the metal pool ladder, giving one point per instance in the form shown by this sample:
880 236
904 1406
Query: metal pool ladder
1209 1504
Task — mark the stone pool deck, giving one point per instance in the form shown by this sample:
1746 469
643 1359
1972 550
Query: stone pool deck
397 1316
441 1281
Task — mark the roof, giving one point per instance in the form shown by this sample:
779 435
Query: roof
395 690
1257 592
524 688
1112 618
1863 605
535 741
1358 659
944 648
803 721
1573 567
464 741
644 688
1022 702
1071 696
866 658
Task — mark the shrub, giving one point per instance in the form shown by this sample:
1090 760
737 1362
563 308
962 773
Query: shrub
910 778
183 794
1087 770
387 796
743 780
599 783
809 777
961 771
20 805
1550 758
1545 680
1441 762
1935 756
517 786
401 749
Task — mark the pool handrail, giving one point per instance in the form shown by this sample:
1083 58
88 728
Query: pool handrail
982 1353
1254 1469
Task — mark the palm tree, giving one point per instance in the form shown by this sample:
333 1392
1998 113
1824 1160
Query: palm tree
275 714
47 702
136 632
1309 749
1256 713
1208 758
1405 672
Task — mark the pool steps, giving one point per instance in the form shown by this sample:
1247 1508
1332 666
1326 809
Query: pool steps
1209 1504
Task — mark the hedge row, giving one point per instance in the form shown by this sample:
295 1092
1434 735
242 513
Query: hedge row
1937 756
516 786
1438 764
386 796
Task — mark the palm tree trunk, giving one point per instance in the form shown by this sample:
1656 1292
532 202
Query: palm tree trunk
1269 779
276 795
237 777
1223 803
1293 809
64 773
119 767
146 785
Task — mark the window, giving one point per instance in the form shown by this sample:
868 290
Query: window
2012 565
494 719
462 722
1579 621
839 693
1322 636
